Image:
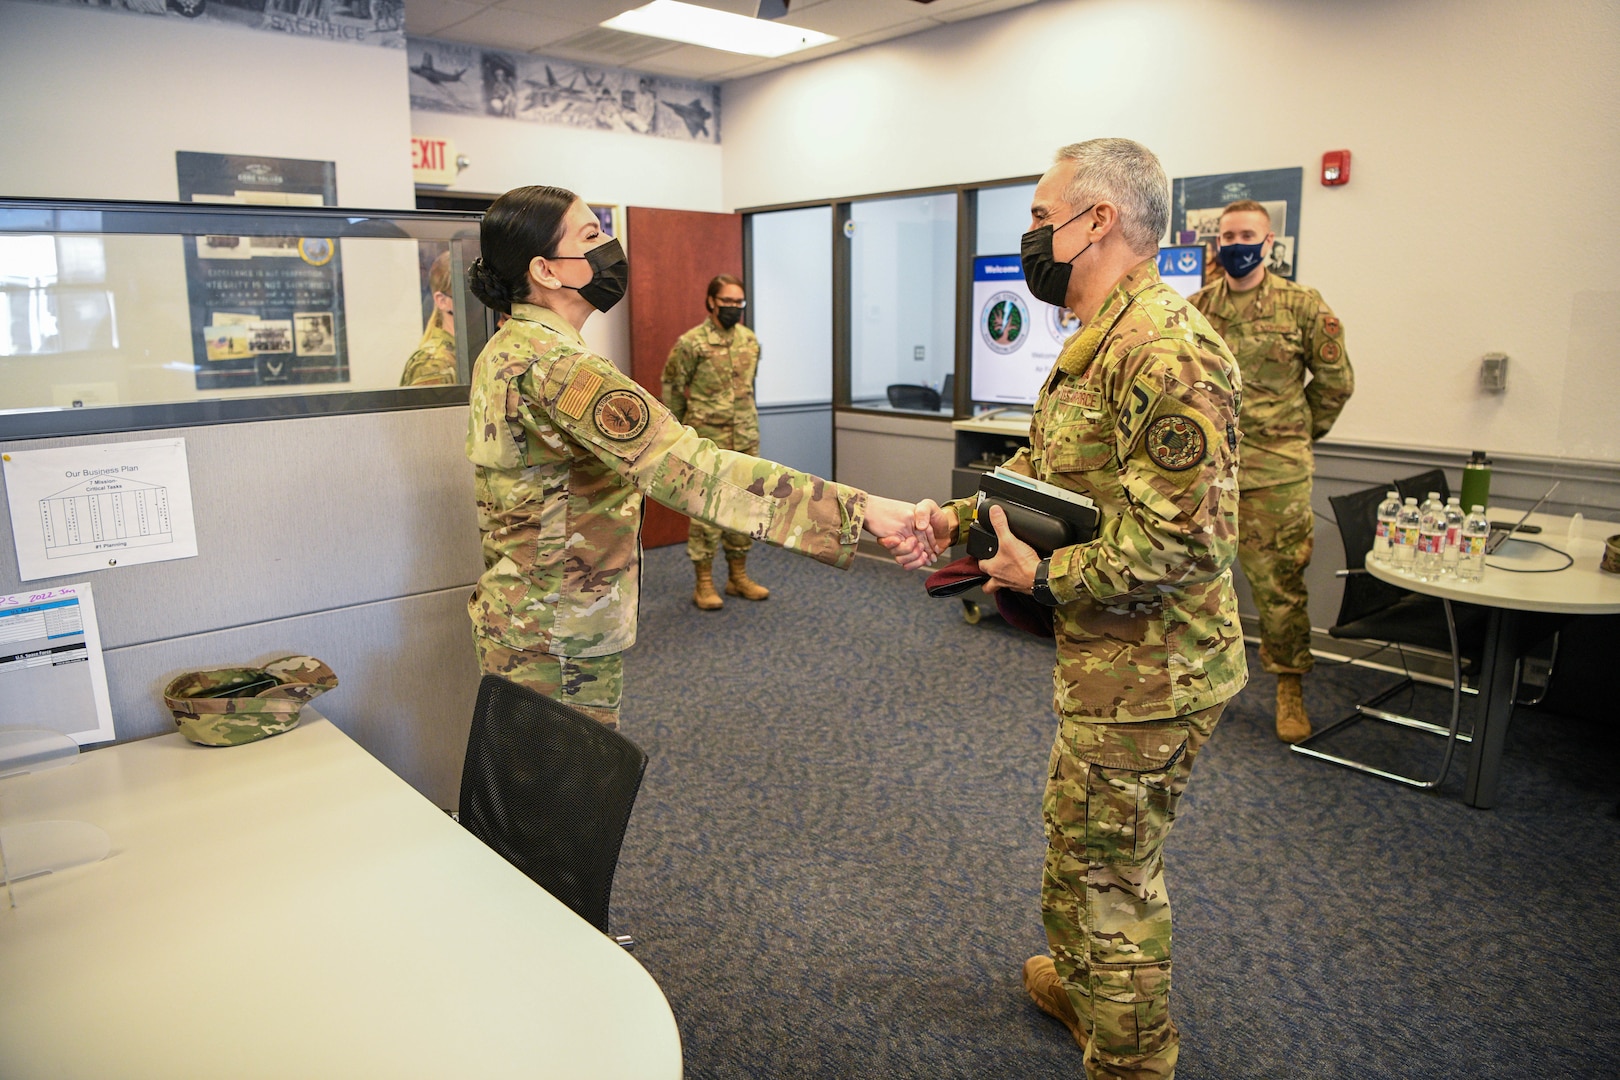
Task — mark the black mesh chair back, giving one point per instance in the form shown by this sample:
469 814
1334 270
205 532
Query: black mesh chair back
550 789
947 391
1418 487
1364 595
906 396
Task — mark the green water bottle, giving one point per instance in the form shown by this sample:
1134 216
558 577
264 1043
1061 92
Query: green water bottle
1476 480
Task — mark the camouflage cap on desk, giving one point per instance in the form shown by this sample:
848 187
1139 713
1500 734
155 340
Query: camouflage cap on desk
228 720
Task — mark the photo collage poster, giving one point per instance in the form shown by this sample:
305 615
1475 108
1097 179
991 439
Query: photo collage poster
1196 203
265 310
353 22
450 77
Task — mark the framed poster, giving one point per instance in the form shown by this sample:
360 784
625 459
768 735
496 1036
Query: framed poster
608 217
265 310
1196 203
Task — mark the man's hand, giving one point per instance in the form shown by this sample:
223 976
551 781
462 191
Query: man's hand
1015 561
906 530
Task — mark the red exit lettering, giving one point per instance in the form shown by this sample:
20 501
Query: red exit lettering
427 154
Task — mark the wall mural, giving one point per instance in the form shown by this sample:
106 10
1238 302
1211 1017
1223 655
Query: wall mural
470 80
358 22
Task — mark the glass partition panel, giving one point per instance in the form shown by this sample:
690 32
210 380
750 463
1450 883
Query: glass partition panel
1003 216
117 316
902 302
791 305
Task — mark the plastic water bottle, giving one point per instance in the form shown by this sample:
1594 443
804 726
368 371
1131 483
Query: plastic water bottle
1471 550
1404 543
1454 522
1432 503
1388 511
1431 540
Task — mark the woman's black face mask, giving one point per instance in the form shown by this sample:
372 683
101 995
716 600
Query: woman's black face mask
1047 278
610 273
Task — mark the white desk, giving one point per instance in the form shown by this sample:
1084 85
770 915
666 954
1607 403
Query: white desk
1582 589
290 908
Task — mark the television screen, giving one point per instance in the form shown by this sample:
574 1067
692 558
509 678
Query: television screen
1016 338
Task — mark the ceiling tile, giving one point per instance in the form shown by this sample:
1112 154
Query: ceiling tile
425 18
513 31
588 12
852 18
693 62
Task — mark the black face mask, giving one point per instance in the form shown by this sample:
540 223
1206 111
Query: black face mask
610 273
727 316
1047 278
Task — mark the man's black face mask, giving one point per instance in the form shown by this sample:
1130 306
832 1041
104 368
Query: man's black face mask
1047 278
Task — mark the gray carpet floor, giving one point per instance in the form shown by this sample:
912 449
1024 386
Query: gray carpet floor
833 866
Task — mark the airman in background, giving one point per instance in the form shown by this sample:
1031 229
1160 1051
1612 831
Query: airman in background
709 385
434 361
1296 380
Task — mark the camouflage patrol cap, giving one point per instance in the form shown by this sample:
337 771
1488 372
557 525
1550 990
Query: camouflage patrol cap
231 705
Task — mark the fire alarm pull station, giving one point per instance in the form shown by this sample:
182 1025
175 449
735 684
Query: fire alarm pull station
1335 168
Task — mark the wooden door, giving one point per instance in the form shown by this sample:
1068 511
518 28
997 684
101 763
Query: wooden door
673 256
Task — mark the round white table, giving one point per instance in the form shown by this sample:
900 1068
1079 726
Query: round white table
1511 586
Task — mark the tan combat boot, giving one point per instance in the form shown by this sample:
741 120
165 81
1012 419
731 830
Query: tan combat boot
1046 990
739 584
1292 723
703 594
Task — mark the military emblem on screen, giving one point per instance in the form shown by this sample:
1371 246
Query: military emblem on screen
1062 322
1003 322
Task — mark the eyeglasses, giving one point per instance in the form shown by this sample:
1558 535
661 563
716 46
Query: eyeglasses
730 303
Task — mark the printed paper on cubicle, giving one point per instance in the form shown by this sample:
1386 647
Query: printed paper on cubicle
51 674
81 508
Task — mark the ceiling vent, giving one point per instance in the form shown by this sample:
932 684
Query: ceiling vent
612 46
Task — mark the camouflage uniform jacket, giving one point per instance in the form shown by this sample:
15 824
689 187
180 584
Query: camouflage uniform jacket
1287 332
1140 415
566 447
709 384
434 362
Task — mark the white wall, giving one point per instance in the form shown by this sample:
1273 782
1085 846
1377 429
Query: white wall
97 104
1480 216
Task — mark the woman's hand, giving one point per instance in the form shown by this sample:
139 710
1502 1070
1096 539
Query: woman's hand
906 530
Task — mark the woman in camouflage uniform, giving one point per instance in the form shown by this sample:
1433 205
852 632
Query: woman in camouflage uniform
566 447
434 361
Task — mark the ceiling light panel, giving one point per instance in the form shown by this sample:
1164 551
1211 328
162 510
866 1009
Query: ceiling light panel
695 25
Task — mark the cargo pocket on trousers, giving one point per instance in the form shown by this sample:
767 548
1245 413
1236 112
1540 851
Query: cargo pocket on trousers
1130 797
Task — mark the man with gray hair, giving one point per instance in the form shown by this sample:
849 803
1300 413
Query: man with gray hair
1140 415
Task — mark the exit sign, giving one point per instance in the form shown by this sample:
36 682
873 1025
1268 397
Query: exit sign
433 161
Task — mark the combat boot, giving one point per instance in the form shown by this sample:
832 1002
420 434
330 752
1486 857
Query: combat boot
738 584
1292 723
1046 991
703 594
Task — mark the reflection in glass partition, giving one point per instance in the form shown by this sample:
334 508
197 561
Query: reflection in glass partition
173 304
902 302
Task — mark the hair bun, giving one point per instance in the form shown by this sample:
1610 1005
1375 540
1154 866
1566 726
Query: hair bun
488 287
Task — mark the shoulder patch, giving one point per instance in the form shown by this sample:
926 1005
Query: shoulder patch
1330 351
621 415
1140 399
577 395
1331 326
1175 443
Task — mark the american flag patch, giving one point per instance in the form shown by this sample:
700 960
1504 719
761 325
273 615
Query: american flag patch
577 395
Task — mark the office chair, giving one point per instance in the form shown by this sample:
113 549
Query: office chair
550 790
947 391
1418 487
907 396
1375 610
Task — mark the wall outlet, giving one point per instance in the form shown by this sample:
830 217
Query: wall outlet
1493 372
918 353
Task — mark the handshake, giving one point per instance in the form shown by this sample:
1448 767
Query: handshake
917 534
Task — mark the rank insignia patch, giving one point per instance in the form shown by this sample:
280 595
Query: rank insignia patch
1175 443
621 415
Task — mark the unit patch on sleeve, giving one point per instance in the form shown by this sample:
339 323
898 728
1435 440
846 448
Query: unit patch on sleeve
576 396
1331 326
1175 443
621 415
1330 351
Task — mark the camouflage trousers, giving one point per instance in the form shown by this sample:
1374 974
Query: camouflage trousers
1110 800
703 540
592 684
1276 531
